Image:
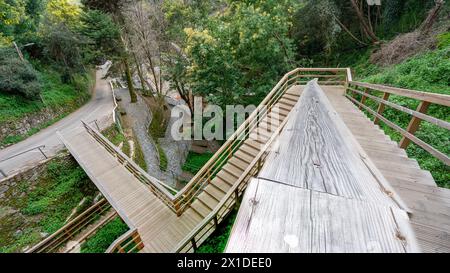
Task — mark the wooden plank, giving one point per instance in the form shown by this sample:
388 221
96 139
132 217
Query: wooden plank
276 217
316 151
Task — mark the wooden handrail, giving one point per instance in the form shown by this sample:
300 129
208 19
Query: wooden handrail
129 242
69 230
182 199
231 193
440 99
416 115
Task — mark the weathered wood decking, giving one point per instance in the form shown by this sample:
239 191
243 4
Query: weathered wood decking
427 203
161 229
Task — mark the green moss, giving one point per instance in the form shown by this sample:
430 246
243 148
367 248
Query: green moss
162 157
139 155
104 237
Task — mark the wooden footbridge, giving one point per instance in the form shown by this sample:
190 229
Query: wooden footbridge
162 220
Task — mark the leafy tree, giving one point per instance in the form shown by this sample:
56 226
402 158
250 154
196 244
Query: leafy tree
63 47
16 76
103 36
115 9
63 11
240 54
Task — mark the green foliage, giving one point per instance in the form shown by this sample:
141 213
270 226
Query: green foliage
57 96
194 161
103 36
63 46
67 186
16 76
315 29
44 205
444 40
104 237
239 55
139 157
217 242
163 163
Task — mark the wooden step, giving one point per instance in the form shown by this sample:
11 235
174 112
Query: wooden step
239 163
286 101
208 200
284 107
200 208
220 184
246 148
255 145
243 156
234 171
215 191
226 177
291 97
278 113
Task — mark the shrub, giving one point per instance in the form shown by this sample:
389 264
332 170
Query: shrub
17 76
104 237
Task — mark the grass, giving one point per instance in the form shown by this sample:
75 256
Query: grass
44 206
104 237
217 242
56 96
194 162
139 155
162 157
429 72
116 137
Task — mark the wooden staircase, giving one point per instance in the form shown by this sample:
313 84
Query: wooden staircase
430 204
168 221
221 184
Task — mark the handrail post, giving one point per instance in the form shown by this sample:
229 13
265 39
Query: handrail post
236 195
414 124
40 150
194 243
381 107
363 98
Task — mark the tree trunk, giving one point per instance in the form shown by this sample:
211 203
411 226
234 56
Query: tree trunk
431 18
364 22
129 80
139 71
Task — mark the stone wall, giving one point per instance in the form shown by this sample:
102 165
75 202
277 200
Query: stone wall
30 121
29 174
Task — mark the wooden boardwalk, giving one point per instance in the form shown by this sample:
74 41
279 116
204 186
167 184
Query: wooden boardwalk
159 227
319 192
429 204
161 230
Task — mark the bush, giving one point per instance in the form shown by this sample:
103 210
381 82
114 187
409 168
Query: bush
104 237
194 161
17 76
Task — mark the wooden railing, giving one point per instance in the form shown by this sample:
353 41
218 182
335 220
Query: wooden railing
55 241
180 201
336 76
380 95
161 190
129 242
230 201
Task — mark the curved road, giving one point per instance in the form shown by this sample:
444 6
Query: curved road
99 108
